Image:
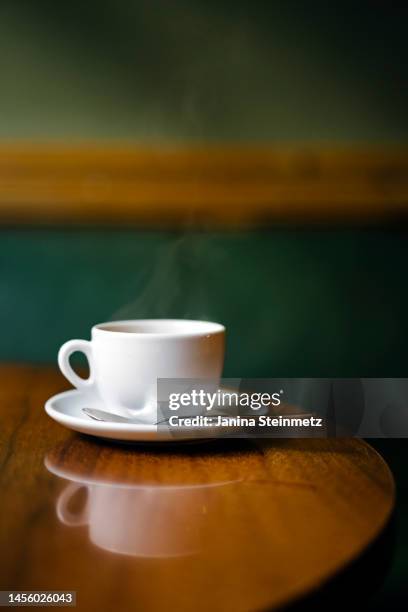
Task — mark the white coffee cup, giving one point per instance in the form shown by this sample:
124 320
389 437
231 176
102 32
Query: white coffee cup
127 357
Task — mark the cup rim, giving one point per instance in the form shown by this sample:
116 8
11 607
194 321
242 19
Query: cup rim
195 328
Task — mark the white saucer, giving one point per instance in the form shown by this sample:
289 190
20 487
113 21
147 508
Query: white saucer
66 409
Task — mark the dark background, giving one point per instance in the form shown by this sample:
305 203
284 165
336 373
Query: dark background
217 70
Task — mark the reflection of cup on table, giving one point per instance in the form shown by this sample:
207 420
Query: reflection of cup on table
144 521
160 505
127 357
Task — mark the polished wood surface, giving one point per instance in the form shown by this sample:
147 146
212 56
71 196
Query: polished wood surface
238 525
230 186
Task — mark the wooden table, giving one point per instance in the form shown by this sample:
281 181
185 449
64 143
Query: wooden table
235 525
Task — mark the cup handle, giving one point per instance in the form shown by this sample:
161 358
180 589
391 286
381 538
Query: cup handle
65 353
64 514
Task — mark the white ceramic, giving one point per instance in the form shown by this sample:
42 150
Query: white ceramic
127 357
66 409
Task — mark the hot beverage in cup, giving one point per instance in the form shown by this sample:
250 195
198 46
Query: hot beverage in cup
127 357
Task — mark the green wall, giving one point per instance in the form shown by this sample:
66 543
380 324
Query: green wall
297 302
203 70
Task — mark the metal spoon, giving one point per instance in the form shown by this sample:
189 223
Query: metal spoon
103 415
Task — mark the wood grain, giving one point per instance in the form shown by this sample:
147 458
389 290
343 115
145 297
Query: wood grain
236 525
227 186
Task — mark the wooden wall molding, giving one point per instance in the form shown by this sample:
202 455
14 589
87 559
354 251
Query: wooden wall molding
228 186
